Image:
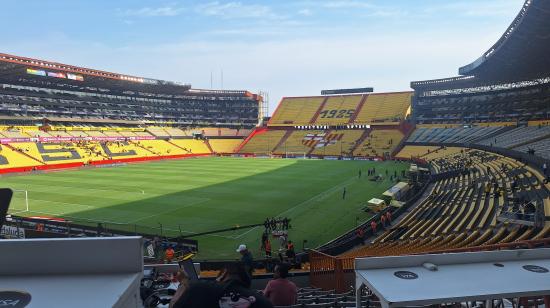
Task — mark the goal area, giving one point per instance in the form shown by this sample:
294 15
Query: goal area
19 202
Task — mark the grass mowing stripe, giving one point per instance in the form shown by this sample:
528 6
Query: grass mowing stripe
240 192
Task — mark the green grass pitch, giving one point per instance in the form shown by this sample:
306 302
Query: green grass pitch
196 195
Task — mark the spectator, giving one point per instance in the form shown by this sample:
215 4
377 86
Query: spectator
280 291
383 220
169 254
267 247
290 253
246 259
232 286
373 226
361 235
388 217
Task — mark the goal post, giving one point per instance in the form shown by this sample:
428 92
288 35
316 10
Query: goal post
19 202
295 155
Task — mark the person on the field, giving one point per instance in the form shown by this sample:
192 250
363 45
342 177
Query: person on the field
344 194
246 258
359 173
280 291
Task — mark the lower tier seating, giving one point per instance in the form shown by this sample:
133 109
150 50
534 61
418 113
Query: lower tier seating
464 206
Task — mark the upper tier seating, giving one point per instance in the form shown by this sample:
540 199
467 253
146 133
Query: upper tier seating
338 110
296 110
385 107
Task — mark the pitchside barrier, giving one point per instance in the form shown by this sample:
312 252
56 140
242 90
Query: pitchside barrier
40 227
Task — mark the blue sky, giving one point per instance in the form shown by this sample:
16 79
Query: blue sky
286 48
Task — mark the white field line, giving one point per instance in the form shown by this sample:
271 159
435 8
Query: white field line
137 191
320 196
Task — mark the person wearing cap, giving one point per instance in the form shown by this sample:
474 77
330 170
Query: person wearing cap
246 258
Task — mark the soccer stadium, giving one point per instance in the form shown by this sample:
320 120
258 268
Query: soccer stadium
127 191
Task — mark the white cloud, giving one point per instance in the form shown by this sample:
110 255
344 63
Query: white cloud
347 4
237 10
305 12
154 12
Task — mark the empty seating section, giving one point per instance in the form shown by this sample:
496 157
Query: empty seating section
12 158
301 142
338 110
379 142
14 134
518 136
158 132
263 142
462 207
161 147
174 132
338 143
192 146
541 148
296 110
414 151
452 135
224 146
385 107
524 138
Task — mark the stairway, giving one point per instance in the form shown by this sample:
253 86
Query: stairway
358 109
359 141
314 119
283 140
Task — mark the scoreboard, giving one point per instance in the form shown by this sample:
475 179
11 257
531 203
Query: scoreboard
347 91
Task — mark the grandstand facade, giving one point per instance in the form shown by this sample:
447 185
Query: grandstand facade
56 115
368 125
35 90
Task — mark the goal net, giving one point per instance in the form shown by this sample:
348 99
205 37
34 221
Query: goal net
295 154
19 202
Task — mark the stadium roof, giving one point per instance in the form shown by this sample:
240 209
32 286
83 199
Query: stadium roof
520 54
65 73
522 50
13 67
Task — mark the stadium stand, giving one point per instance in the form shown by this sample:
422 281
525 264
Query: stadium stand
464 206
385 107
296 110
338 110
381 143
224 146
263 141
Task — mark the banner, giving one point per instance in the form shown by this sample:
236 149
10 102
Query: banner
73 139
12 232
